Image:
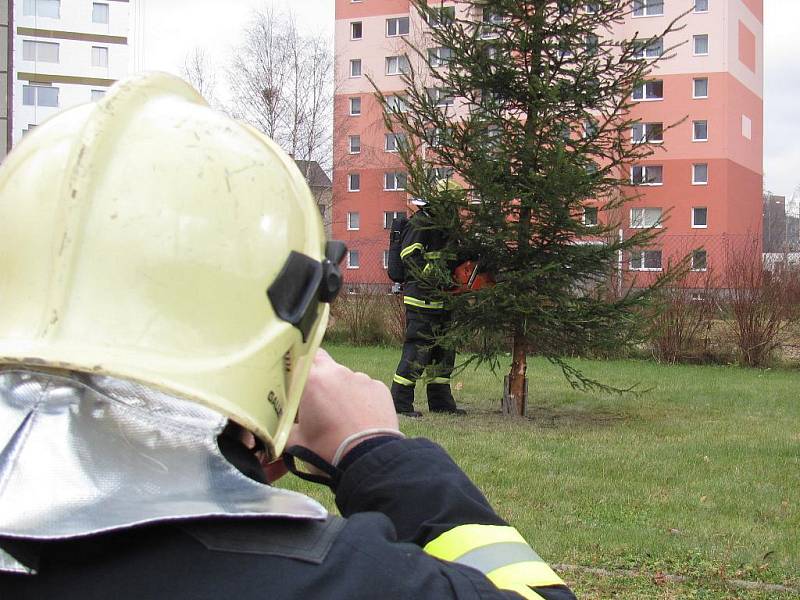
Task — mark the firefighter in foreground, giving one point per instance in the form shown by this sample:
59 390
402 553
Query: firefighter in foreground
418 256
164 281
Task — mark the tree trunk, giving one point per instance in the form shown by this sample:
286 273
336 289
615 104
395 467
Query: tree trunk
515 402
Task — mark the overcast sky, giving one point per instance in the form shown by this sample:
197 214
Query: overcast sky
173 27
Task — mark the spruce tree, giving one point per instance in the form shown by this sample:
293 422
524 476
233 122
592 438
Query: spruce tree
527 104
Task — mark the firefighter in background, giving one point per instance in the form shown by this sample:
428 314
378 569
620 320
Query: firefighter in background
165 288
425 253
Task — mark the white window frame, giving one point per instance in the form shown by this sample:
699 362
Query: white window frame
645 129
435 57
701 11
648 8
642 254
442 98
387 222
385 259
449 10
397 21
397 103
704 268
353 63
697 38
397 65
391 181
351 217
35 90
102 54
352 99
650 51
392 141
353 25
596 216
694 131
354 144
30 8
695 225
97 95
96 5
643 89
36 47
645 169
694 174
694 87
641 221
352 253
350 179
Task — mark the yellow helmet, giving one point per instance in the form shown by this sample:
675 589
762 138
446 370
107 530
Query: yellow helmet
151 238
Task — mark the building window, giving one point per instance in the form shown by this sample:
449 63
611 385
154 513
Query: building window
699 218
355 107
390 216
353 221
355 67
99 12
353 182
356 30
700 6
700 45
441 15
393 141
700 131
646 260
396 65
354 142
747 127
699 260
438 57
648 8
353 259
99 56
649 90
592 7
644 218
40 51
590 216
394 181
396 103
385 259
42 8
441 173
98 95
700 87
651 49
700 174
440 97
647 132
397 26
647 175
28 129
40 95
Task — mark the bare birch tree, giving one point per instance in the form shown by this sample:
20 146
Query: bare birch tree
200 72
282 83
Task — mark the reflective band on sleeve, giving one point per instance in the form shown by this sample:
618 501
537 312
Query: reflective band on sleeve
411 249
441 380
500 552
403 381
422 303
438 255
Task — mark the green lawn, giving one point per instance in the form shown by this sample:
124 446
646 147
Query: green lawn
699 477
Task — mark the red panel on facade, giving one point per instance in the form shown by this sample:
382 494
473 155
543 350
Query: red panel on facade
747 47
756 7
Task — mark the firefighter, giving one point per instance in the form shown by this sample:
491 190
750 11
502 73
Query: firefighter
424 251
165 282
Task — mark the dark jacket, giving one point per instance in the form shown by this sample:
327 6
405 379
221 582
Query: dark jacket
398 498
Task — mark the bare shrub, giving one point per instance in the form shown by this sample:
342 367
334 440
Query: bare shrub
366 318
763 303
681 327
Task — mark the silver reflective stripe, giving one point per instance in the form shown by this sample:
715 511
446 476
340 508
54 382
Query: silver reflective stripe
9 564
488 558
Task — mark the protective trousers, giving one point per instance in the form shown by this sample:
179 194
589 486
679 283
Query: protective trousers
420 351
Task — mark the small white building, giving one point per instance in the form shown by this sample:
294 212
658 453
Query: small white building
63 53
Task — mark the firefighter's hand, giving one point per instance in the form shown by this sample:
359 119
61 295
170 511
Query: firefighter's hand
337 403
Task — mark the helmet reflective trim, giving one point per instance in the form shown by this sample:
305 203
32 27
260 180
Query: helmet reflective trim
303 283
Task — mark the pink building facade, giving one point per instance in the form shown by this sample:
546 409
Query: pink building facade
705 187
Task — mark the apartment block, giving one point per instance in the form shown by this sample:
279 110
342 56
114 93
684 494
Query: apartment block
704 188
61 53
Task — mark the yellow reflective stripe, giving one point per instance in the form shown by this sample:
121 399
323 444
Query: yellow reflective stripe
411 249
530 573
524 591
440 380
464 538
422 303
438 255
403 381
426 269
